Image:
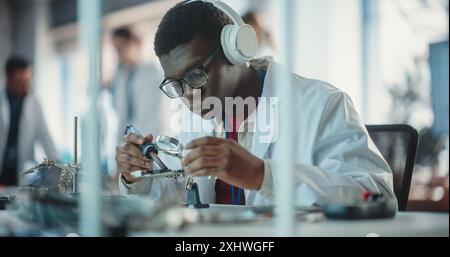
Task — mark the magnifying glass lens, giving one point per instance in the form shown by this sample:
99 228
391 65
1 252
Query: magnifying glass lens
169 145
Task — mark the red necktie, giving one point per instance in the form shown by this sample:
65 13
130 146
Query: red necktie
225 193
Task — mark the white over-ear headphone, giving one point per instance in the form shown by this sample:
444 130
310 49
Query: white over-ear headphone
238 41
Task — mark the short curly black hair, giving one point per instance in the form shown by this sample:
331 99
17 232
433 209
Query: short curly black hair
185 21
15 63
125 33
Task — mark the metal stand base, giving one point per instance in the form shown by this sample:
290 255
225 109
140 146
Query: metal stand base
193 198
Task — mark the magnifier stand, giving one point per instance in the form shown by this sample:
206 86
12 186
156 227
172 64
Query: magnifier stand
193 197
172 147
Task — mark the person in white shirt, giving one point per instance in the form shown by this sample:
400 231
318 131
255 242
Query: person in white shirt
22 123
266 44
134 86
130 96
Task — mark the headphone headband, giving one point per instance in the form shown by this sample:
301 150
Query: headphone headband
232 14
238 40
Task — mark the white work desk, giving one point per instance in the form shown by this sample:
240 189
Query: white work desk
405 224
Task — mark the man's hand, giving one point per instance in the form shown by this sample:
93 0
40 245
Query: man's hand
225 159
129 157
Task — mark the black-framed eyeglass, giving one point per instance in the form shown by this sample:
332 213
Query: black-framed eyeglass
195 78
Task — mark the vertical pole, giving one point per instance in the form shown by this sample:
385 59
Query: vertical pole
90 204
370 54
75 140
285 222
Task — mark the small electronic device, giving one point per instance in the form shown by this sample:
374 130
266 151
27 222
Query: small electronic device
373 206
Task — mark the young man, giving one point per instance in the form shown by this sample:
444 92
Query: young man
22 123
335 160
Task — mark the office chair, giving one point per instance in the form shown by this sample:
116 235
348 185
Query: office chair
398 145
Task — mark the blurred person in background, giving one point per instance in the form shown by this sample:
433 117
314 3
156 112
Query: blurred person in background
265 40
132 98
133 86
22 123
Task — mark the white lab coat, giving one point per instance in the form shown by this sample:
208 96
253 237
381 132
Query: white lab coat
335 159
33 130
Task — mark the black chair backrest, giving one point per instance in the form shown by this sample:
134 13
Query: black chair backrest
398 145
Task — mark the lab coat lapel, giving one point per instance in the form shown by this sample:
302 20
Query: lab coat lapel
120 99
27 130
266 122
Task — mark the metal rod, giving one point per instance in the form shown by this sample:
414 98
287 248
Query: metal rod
75 140
158 161
75 152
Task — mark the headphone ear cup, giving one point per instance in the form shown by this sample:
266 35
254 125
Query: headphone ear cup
239 43
246 42
228 42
